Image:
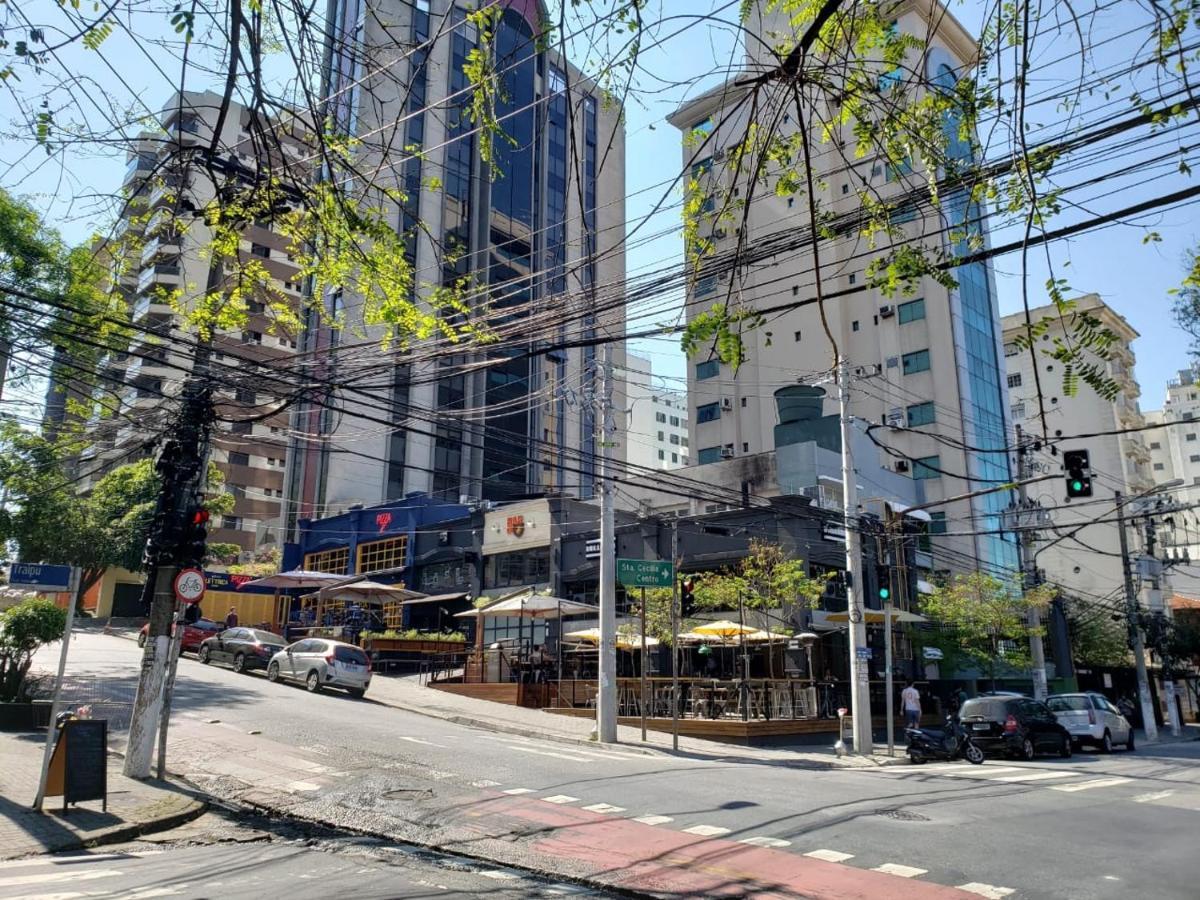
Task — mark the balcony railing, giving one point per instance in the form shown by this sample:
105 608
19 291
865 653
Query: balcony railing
160 273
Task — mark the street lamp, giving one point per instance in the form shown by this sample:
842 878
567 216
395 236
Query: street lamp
807 639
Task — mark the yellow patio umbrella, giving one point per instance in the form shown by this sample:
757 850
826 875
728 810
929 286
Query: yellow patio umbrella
624 641
723 629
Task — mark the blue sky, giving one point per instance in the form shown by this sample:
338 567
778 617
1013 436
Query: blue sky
1131 276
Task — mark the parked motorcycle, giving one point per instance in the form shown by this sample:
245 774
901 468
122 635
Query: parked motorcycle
949 743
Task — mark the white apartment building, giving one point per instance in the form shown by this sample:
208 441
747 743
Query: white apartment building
159 246
540 227
1175 454
657 435
1086 564
929 363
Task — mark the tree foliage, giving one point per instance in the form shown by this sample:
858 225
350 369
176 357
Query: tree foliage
1096 639
25 628
982 622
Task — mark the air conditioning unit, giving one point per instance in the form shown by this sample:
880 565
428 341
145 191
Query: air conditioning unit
726 403
727 452
886 312
902 465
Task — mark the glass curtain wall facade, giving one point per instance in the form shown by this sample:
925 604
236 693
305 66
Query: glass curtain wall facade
558 126
589 426
987 397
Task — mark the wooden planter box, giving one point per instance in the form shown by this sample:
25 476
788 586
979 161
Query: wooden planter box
16 716
407 645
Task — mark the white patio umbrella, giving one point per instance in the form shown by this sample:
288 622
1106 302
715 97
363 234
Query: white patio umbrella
297 578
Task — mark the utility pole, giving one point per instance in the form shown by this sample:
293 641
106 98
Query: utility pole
1135 628
181 466
860 690
1029 570
1158 611
676 562
606 694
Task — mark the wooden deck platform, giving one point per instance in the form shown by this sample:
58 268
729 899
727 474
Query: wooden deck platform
731 731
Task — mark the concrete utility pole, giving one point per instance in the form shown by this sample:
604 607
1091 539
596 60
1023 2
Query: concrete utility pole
677 563
1159 611
860 689
181 466
1135 628
1029 571
606 694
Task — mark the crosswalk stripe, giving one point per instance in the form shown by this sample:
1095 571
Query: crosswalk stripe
897 869
560 799
991 891
766 842
49 877
830 855
413 740
983 771
570 758
653 820
1038 776
605 808
519 791
1152 796
1088 785
706 830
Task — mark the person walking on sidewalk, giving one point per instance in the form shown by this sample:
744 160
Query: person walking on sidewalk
910 698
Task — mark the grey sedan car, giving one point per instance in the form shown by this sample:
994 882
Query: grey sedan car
319 663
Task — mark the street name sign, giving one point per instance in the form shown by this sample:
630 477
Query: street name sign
40 577
645 572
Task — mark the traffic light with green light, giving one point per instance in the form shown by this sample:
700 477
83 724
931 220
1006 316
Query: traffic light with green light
1079 473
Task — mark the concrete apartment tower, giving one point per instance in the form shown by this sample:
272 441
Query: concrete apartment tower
657 433
540 228
1088 564
1175 454
931 360
161 243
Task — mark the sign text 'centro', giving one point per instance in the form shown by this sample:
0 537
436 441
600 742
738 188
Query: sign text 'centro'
645 572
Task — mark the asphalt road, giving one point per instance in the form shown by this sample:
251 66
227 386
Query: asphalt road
1082 827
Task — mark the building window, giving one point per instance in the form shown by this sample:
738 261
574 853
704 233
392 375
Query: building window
336 561
709 369
1018 410
1011 349
936 525
518 568
796 336
674 457
917 361
1187 417
912 311
683 441
1158 467
386 554
660 417
241 427
251 337
854 325
708 455
1155 445
233 523
1192 436
926 467
239 459
675 439
921 414
260 251
709 412
662 454
675 421
1014 380
1195 457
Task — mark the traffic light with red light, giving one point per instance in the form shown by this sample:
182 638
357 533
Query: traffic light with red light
687 597
194 546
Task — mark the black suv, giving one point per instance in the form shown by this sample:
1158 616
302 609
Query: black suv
1018 726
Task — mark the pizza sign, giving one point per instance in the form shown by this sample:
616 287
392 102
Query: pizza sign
383 520
515 525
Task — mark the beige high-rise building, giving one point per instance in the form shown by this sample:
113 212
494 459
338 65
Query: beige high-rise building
1175 454
928 362
1087 561
160 246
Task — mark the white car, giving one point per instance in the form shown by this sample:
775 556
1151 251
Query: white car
320 663
1092 719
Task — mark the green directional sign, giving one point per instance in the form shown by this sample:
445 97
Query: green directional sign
645 572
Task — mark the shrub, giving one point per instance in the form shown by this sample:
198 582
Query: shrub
25 628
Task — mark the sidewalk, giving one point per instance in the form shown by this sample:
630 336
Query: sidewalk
406 693
134 807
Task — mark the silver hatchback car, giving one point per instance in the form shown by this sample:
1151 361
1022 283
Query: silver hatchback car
1092 719
320 663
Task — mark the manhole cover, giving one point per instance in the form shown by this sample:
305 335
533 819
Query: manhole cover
903 815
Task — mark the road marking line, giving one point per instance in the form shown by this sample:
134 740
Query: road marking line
560 799
484 783
499 875
984 773
1088 785
588 755
604 808
706 830
519 791
766 842
301 787
413 740
830 855
49 877
901 871
991 891
1038 776
653 820
1151 797
574 759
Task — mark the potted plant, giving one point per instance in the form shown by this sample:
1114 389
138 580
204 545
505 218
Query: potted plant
24 628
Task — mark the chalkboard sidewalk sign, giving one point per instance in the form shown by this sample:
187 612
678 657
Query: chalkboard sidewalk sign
79 765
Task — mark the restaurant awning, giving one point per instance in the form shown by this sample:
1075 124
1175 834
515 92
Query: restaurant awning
436 598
